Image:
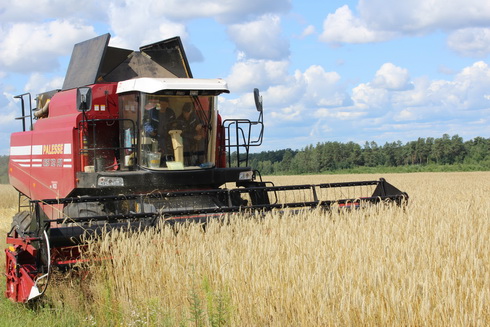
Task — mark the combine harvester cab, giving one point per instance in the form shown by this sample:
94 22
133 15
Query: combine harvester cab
130 141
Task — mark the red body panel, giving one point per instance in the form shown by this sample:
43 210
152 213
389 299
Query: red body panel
44 161
220 144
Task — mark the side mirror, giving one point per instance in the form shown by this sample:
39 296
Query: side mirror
84 98
258 100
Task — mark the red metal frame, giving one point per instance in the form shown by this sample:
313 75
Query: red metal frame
21 265
21 268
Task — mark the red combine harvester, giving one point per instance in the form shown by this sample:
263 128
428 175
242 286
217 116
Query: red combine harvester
130 141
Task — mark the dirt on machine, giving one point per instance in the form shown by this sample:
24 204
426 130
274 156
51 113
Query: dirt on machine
132 141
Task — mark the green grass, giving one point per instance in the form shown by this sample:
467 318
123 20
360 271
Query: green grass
42 315
206 307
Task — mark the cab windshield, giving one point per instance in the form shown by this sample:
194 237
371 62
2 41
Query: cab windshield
173 132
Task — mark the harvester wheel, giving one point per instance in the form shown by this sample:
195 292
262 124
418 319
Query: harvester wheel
21 222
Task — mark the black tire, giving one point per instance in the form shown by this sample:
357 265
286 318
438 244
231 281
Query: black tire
21 222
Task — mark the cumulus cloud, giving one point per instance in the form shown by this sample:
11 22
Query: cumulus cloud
128 27
35 47
472 86
418 16
425 99
314 87
470 42
226 12
247 74
343 27
322 88
378 22
368 97
39 83
260 39
291 113
391 77
36 11
293 97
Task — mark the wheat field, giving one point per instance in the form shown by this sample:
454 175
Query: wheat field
428 264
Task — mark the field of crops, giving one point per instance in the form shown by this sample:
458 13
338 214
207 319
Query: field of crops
426 265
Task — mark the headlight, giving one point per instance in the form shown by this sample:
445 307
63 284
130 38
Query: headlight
110 181
246 175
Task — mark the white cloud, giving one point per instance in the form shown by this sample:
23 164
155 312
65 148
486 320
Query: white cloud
10 109
6 119
376 22
344 27
37 11
470 42
4 97
309 30
419 16
129 18
406 115
177 10
322 87
286 94
368 97
319 129
128 28
425 100
289 113
338 114
472 85
245 75
260 39
391 77
289 97
40 83
35 47
226 12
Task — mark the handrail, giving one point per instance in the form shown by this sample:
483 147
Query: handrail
24 116
242 129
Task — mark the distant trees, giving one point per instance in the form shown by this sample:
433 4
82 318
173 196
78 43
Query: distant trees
4 163
332 156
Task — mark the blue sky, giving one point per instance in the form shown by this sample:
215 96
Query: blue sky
328 70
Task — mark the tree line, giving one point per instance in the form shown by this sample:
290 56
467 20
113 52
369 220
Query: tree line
4 162
335 156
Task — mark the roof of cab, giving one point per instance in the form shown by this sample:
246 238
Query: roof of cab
153 85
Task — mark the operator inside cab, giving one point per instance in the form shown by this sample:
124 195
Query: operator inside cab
157 121
192 135
170 139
